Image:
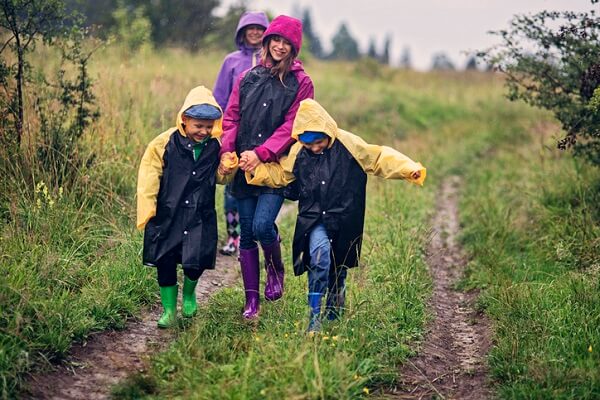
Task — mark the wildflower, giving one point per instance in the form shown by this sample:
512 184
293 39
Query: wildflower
286 335
334 338
263 392
257 338
356 376
590 348
325 337
366 390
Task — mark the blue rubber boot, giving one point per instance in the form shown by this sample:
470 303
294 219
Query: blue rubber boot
314 302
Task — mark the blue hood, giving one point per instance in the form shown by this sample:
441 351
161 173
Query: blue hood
249 18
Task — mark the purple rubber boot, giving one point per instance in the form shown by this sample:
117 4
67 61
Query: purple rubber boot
250 276
275 271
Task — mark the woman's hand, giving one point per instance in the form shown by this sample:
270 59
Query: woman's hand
249 161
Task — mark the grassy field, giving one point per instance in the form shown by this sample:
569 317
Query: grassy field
529 214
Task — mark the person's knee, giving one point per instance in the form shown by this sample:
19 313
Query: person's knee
264 231
319 253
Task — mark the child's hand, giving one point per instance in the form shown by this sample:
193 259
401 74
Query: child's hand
228 163
415 175
249 161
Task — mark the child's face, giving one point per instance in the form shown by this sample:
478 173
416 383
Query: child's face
197 129
253 35
317 146
279 48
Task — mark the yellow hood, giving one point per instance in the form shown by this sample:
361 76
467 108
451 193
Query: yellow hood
312 117
196 96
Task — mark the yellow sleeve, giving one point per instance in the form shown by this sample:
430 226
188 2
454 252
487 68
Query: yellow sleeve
382 161
275 175
148 184
230 163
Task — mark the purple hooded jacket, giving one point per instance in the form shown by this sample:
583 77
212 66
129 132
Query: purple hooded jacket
239 61
281 140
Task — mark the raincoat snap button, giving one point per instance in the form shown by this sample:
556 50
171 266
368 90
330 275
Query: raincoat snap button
324 212
187 202
322 182
185 232
264 104
189 145
193 172
260 135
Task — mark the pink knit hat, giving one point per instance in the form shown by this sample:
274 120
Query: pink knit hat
288 28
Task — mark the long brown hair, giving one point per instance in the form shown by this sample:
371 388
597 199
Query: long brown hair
280 68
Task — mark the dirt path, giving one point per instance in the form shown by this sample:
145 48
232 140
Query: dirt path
109 357
451 363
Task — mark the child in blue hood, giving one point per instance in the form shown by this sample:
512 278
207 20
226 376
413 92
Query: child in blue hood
329 168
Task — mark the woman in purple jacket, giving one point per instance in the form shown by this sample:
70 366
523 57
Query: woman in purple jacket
248 39
257 126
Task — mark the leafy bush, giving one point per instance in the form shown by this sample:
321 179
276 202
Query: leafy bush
551 61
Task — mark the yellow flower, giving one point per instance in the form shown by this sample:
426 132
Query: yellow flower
366 390
325 337
257 338
334 338
356 376
286 335
590 348
263 392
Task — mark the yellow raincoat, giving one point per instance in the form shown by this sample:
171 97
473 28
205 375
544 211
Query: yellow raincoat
175 192
331 186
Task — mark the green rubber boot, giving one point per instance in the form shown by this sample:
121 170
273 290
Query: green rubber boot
168 298
189 307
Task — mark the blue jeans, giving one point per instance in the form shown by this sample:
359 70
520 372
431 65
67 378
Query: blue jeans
230 202
257 219
321 276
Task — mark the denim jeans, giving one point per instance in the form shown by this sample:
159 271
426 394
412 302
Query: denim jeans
230 202
321 276
257 219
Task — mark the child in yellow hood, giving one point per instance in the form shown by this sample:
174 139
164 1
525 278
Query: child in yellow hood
327 168
176 200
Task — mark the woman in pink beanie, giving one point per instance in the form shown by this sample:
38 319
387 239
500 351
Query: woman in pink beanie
257 125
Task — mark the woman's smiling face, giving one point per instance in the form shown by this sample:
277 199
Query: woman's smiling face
279 48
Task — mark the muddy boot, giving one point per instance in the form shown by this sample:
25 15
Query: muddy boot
250 276
189 306
168 298
275 271
314 322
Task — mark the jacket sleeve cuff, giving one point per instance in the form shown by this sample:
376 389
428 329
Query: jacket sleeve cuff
265 154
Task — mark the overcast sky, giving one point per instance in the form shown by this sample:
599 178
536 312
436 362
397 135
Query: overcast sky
425 26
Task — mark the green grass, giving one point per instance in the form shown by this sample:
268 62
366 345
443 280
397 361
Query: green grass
532 227
529 214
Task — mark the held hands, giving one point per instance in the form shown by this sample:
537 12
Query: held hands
229 162
249 161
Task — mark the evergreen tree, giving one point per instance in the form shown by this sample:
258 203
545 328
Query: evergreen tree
406 58
314 43
344 45
385 56
471 64
372 51
441 62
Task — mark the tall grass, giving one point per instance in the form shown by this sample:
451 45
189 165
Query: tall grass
71 258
